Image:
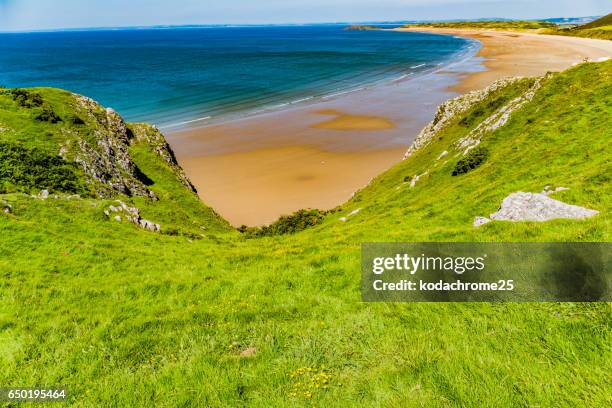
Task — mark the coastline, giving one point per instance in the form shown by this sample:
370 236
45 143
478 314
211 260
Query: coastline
515 53
256 169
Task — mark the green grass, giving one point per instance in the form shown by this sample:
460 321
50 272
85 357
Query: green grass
31 170
602 33
599 23
124 317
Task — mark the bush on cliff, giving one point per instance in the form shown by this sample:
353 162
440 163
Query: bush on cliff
473 159
26 99
28 169
48 115
287 224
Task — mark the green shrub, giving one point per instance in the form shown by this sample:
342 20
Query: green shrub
473 159
27 169
287 224
26 99
74 119
48 115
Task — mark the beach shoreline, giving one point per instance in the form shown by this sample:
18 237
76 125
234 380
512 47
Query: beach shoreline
516 53
256 169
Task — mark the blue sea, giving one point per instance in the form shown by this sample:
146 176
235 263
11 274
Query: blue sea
198 75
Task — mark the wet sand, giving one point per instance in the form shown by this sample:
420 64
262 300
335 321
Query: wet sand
256 169
263 185
344 121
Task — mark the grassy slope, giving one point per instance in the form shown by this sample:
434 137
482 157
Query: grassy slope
600 28
181 211
130 318
600 22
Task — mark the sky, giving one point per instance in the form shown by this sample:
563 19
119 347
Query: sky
17 15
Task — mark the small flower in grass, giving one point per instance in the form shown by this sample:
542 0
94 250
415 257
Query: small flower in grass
309 381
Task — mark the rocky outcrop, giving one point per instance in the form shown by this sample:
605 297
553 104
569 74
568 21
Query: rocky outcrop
497 119
351 214
153 137
131 214
479 221
416 179
548 190
6 207
450 109
536 207
105 156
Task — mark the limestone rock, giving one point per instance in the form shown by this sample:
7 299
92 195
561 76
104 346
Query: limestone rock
450 109
479 221
132 214
104 156
351 214
415 179
44 194
538 207
6 207
153 137
548 191
443 154
148 225
498 119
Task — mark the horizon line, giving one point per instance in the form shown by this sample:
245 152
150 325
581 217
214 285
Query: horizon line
286 24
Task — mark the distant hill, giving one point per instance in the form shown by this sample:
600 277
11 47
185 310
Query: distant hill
599 23
361 28
600 28
490 25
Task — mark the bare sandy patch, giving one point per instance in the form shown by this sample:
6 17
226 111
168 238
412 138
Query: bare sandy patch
345 121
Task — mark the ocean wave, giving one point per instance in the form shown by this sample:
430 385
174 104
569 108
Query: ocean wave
187 122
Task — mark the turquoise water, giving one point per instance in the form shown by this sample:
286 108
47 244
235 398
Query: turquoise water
178 77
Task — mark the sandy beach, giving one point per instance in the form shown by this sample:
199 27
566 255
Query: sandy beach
256 169
523 54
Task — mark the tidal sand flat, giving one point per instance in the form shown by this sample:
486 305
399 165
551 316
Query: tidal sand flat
344 121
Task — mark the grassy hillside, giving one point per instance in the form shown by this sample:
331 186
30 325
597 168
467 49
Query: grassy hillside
126 317
604 21
600 29
602 33
491 25
123 160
